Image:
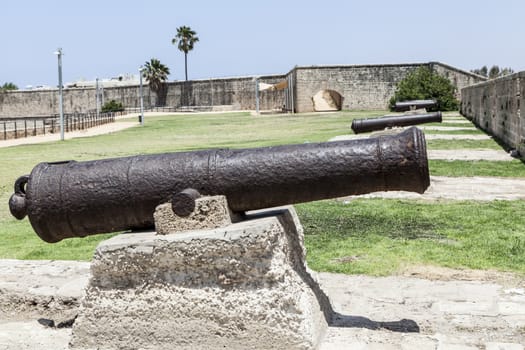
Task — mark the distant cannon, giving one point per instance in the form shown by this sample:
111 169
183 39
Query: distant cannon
374 124
404 106
76 199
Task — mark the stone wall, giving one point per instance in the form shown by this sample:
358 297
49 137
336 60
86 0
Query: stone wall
239 93
365 87
362 87
494 106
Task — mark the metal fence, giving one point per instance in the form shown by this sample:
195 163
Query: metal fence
19 127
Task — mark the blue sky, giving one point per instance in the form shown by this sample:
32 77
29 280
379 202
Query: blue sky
107 38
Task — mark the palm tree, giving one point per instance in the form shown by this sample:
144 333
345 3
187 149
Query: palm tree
156 75
185 39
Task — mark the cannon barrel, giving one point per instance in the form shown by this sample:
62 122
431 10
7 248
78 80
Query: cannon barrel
403 106
76 199
374 124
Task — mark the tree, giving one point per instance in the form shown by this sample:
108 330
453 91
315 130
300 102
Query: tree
423 84
8 86
483 71
156 74
506 71
494 71
185 39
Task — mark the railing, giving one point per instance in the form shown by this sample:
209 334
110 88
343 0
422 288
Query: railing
14 128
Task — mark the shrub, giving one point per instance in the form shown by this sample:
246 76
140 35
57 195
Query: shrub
424 84
112 106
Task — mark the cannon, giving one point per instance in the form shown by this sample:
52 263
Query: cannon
374 124
76 199
404 106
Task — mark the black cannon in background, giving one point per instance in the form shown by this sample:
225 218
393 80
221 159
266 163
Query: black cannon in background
375 124
76 199
404 106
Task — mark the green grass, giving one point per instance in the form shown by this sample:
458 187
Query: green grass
381 237
18 241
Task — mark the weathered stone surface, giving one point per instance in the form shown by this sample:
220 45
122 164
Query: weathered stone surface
362 87
495 106
326 101
365 87
245 286
210 212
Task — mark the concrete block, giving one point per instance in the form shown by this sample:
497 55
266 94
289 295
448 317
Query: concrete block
244 286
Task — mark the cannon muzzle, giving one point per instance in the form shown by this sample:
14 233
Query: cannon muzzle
374 124
76 199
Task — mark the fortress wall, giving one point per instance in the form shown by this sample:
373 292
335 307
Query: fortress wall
366 87
362 87
495 106
238 92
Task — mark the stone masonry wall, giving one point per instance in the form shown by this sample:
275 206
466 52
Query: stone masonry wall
362 87
495 106
237 92
365 87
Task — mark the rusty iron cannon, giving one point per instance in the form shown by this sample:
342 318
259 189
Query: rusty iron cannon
403 106
76 199
374 124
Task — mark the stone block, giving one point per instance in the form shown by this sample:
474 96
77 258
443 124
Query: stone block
210 212
244 286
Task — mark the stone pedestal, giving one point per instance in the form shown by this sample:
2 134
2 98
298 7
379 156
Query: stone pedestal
243 286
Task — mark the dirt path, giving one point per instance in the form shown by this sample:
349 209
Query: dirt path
462 188
470 154
98 130
448 128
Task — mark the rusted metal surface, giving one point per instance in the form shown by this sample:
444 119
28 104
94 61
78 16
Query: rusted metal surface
374 124
183 203
76 199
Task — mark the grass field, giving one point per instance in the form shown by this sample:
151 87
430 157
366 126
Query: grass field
380 237
366 236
